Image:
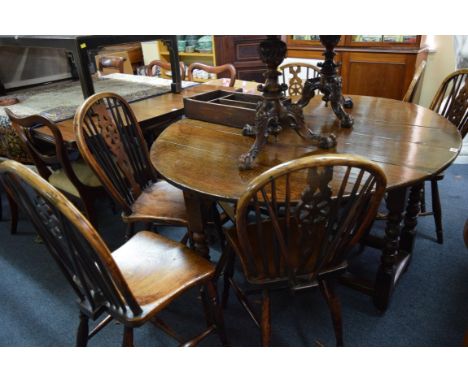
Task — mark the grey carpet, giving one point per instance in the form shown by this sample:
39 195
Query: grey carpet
428 309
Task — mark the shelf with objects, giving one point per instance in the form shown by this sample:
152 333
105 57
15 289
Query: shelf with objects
193 48
372 65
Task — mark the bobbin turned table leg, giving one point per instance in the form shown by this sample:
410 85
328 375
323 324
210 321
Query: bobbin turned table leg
197 214
408 233
389 269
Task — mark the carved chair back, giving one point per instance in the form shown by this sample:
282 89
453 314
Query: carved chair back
411 91
42 155
111 62
296 82
111 142
165 66
451 100
226 68
74 244
297 220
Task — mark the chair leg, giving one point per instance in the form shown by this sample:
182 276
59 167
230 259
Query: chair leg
83 330
423 200
130 231
228 275
1 204
266 318
216 311
13 214
90 211
127 337
327 289
437 210
219 226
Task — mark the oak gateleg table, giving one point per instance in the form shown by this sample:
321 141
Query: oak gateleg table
410 143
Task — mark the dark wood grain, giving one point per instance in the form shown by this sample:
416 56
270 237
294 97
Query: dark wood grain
409 142
152 110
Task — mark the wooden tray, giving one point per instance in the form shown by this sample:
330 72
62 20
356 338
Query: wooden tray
226 108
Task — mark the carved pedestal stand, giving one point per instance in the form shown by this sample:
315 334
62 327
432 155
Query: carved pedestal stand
276 111
329 83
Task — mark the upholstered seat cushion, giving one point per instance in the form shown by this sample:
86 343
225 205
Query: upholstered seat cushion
59 178
157 270
161 203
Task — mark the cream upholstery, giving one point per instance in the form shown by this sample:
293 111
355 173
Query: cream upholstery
60 180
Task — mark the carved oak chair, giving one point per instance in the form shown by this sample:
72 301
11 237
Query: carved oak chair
111 62
226 68
411 91
296 83
166 68
295 225
110 140
451 102
133 283
74 178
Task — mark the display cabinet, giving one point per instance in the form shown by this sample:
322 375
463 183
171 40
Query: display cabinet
187 56
373 65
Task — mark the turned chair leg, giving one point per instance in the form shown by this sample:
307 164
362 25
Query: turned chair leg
327 289
266 318
228 275
13 215
83 330
127 337
215 311
437 210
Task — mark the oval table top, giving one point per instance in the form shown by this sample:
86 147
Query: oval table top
411 143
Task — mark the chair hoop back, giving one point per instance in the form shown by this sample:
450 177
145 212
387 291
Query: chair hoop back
74 244
166 66
226 68
296 83
299 218
111 142
411 91
24 129
112 62
451 100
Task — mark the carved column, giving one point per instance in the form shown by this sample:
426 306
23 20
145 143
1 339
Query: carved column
329 83
275 111
385 280
412 211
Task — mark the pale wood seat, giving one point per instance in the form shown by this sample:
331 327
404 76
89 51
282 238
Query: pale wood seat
133 283
160 202
157 270
111 141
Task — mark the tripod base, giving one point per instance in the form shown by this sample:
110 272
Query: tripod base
271 116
